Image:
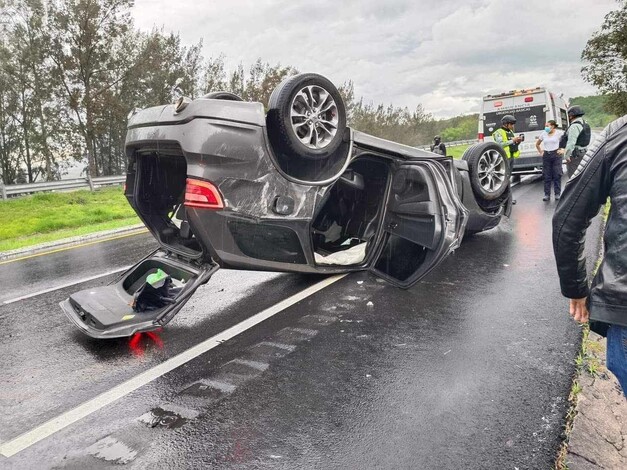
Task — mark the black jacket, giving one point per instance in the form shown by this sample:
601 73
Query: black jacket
602 173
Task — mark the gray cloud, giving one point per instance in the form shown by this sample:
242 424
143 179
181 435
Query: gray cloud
443 54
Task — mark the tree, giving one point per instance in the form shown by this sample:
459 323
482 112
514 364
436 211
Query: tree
91 59
605 57
263 79
31 83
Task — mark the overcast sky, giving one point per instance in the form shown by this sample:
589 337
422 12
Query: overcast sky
443 54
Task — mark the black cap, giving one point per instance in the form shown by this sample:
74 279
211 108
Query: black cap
508 119
576 111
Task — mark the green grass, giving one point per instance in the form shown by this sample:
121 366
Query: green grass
457 151
45 217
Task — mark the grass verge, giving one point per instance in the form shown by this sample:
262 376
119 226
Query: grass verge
457 151
46 217
587 363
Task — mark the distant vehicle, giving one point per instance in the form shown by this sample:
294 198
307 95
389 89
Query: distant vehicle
532 108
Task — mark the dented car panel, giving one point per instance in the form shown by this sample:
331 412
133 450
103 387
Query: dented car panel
222 183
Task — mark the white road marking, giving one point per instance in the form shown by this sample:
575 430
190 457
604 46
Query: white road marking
261 366
304 331
63 286
10 448
224 387
286 347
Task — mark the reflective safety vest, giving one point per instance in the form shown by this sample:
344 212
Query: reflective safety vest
511 150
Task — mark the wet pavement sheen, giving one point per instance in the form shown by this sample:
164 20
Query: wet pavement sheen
469 369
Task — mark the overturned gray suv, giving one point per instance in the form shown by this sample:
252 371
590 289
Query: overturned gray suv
220 182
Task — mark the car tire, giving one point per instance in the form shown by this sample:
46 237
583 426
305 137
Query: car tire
223 95
493 206
306 117
489 171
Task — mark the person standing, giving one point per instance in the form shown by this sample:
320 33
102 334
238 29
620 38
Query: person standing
601 173
551 161
505 137
576 139
438 146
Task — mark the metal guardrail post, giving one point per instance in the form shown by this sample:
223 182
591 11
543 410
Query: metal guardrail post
91 183
3 189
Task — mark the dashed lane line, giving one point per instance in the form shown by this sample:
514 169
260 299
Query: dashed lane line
29 438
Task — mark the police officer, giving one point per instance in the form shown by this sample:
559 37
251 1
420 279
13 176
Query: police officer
438 146
505 137
575 140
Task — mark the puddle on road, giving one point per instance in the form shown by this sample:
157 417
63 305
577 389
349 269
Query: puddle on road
110 449
158 417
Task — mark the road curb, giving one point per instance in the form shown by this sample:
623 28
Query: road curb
72 241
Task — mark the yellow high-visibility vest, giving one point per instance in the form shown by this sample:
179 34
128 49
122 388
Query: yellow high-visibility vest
508 135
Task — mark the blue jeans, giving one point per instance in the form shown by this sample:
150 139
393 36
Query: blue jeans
617 354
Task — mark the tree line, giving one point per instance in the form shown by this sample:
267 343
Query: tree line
71 70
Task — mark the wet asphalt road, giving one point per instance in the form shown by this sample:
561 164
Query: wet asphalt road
469 369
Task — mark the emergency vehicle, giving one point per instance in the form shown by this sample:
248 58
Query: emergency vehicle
532 108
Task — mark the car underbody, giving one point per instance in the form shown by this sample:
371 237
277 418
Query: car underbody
217 187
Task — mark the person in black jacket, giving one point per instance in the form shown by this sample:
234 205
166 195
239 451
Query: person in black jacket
602 173
438 146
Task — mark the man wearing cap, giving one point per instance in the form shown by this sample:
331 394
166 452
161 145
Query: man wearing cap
576 139
505 137
438 146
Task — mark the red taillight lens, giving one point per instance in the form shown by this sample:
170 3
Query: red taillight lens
202 194
528 99
498 104
480 137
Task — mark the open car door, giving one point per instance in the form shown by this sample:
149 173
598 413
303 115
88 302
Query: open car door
108 312
424 222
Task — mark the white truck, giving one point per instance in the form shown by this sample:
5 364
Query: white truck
532 108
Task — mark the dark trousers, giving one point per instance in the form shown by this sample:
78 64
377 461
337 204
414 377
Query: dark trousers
575 159
552 172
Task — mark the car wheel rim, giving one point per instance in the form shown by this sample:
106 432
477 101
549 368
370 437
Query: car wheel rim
314 117
492 171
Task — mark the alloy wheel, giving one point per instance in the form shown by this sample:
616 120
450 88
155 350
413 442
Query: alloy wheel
314 117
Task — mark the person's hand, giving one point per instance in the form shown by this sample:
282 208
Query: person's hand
578 310
517 140
561 151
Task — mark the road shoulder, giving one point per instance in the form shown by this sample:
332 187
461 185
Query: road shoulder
598 436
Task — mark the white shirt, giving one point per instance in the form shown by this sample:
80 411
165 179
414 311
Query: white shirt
550 142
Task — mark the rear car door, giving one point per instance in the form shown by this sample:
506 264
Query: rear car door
108 311
424 221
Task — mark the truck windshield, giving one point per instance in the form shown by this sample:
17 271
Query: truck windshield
527 119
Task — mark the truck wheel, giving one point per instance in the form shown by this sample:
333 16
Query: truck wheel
489 170
306 117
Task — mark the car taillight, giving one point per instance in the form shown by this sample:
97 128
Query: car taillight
480 137
498 104
528 99
202 194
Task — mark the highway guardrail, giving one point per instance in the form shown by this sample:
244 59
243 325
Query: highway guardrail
10 190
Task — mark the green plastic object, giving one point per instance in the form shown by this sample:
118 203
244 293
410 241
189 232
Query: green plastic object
157 279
